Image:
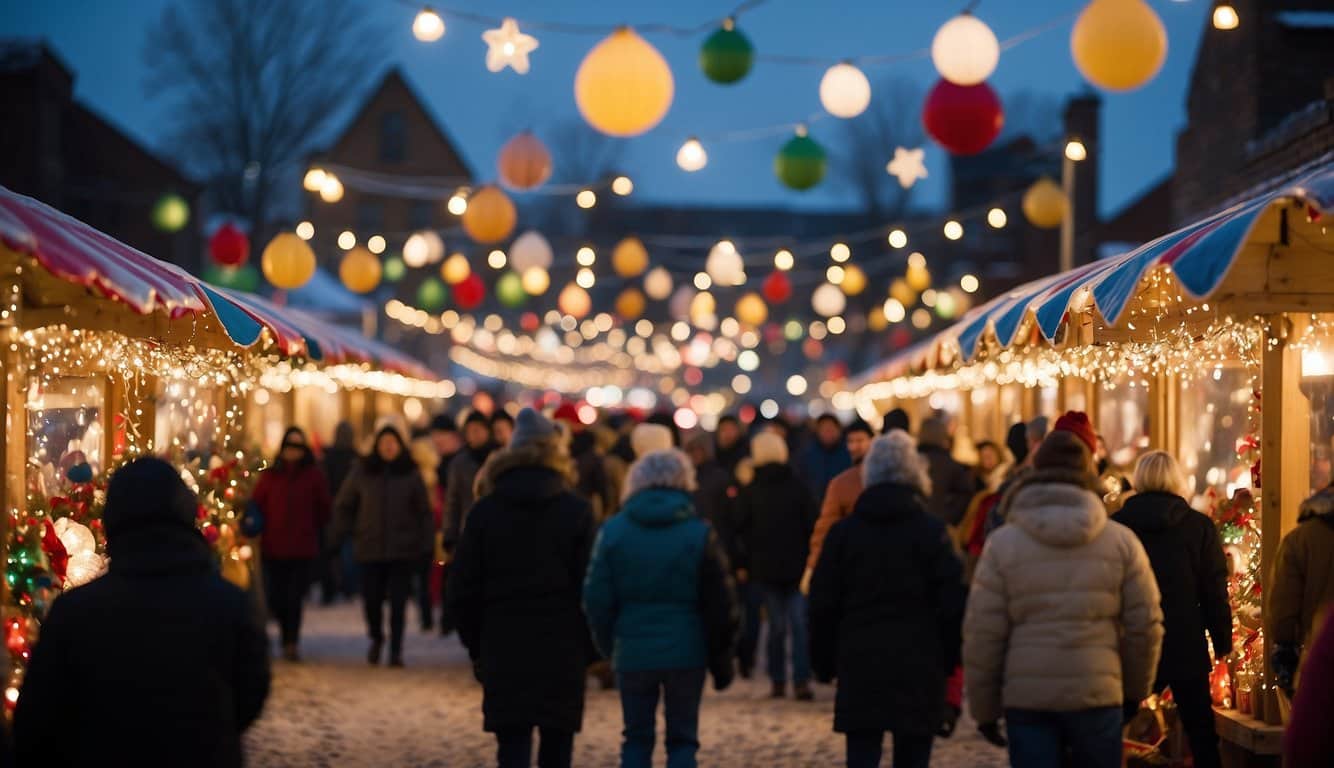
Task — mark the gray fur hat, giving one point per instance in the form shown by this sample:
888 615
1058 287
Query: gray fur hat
530 427
893 458
668 468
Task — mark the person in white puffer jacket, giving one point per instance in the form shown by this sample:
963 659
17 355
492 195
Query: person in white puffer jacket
1063 627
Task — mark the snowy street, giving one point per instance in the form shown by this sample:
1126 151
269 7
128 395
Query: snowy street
332 709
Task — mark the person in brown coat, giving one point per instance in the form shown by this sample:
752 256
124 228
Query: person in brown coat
1303 585
841 495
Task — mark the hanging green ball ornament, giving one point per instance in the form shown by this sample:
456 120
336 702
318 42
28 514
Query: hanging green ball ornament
726 55
431 295
801 163
170 213
394 269
509 289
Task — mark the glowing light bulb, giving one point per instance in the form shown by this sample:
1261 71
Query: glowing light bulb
898 238
586 199
346 240
969 283
622 185
997 218
1226 18
305 230
691 156
331 189
458 203
585 256
314 180
953 230
428 26
783 260
1075 150
840 252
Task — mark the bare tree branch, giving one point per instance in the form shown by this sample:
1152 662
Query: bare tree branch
870 138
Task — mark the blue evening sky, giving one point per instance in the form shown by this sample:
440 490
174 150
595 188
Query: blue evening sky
102 41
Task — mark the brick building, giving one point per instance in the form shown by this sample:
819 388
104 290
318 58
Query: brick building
66 155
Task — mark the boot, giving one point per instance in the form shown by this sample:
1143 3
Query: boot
803 692
949 722
779 691
290 652
373 655
396 660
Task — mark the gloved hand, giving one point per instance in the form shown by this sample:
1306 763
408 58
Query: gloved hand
992 733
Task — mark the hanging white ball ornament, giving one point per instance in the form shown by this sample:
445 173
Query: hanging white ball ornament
965 50
844 91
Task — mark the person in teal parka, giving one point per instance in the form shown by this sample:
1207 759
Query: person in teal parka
660 602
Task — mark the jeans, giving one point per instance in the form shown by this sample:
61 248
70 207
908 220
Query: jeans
1195 706
514 748
681 690
1091 737
910 751
787 616
285 583
393 580
751 600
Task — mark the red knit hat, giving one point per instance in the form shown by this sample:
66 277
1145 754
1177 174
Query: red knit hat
567 413
1078 424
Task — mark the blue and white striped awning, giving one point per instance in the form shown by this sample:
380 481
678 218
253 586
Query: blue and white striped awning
1200 256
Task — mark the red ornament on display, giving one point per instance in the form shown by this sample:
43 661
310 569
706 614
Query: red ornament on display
529 322
777 288
211 533
229 246
964 119
470 293
55 551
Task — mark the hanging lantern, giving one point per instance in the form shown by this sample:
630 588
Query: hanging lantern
530 250
470 293
900 291
287 261
490 217
630 304
394 269
509 290
1118 45
777 287
455 269
243 278
431 295
724 265
965 50
524 162
844 91
751 309
854 280
726 55
679 306
359 270
1045 204
828 300
535 281
624 86
658 283
229 246
964 119
801 162
918 278
629 258
422 248
574 301
170 213
703 307
876 320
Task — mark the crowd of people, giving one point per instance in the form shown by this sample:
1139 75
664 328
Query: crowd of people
651 561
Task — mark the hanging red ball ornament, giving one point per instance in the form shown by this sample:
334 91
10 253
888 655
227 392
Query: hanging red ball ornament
470 293
529 322
229 246
964 119
777 288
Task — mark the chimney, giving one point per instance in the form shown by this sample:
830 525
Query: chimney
1081 119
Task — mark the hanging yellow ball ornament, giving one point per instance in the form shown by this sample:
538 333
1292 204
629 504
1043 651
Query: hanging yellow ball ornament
876 320
630 304
455 269
624 86
918 278
629 258
491 215
1044 204
702 307
1118 45
900 291
854 280
287 261
359 270
574 301
751 309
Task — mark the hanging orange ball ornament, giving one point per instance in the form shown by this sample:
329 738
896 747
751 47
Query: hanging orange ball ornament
624 86
524 162
490 217
1045 204
630 304
1118 45
629 258
359 270
287 261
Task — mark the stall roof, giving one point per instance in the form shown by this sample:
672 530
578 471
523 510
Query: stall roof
1199 254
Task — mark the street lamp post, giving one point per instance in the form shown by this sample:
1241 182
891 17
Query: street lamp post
1075 151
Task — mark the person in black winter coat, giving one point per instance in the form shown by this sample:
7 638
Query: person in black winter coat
160 661
515 592
712 497
730 446
887 600
774 519
952 483
1191 570
337 570
384 507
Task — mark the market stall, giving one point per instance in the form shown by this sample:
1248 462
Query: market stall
1212 342
108 354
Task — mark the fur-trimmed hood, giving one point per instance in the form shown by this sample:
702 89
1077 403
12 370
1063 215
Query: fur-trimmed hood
548 454
1319 505
1056 507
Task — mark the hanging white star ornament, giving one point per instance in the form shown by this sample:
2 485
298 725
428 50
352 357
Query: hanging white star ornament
508 47
908 165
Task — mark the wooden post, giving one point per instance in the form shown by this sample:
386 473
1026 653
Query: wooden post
113 402
1285 450
141 415
13 448
1164 413
966 416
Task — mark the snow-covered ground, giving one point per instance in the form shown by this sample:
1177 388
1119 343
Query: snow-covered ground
333 709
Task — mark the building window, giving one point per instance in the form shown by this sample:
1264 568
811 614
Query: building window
393 137
419 216
370 216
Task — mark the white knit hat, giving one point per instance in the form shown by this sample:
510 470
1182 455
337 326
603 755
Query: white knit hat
768 448
668 468
893 458
646 438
